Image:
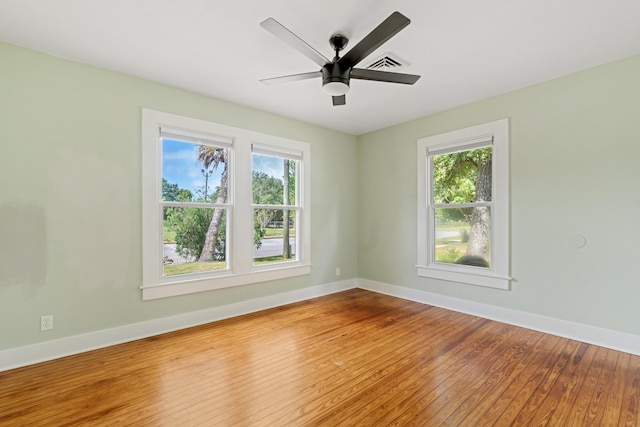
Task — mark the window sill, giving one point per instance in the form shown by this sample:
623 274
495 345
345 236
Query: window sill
190 286
471 277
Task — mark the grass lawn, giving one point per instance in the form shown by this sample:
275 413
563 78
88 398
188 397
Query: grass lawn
270 233
197 267
168 235
450 252
271 260
193 267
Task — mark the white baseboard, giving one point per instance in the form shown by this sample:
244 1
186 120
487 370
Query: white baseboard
49 350
620 341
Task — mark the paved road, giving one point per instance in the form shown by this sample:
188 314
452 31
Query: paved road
441 234
270 247
169 251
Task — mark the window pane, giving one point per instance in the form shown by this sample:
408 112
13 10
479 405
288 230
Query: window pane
462 177
463 236
269 184
194 240
272 228
192 172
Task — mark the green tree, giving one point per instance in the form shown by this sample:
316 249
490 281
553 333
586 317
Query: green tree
258 233
215 234
286 247
266 190
190 226
465 177
292 183
212 158
169 191
173 193
187 223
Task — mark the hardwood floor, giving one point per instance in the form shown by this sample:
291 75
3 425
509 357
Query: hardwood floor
353 358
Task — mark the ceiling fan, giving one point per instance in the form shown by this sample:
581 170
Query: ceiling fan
337 73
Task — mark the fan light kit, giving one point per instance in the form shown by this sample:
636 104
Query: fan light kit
336 88
336 74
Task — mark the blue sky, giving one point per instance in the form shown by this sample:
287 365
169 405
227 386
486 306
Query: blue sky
179 166
272 166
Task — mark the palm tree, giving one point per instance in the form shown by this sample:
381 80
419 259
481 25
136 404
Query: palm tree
212 157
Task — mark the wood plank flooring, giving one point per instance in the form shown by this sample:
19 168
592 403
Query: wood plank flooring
354 358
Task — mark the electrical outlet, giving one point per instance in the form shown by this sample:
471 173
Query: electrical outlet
46 322
337 271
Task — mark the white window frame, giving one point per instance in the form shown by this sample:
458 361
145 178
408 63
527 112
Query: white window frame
496 135
296 207
241 270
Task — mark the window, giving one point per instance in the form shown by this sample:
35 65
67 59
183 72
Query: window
276 204
222 206
194 214
463 206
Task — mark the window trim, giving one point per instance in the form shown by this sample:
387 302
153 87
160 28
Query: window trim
497 276
241 270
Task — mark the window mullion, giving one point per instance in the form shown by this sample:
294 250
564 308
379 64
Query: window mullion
242 229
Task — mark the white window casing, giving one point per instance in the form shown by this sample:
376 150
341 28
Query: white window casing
240 142
496 135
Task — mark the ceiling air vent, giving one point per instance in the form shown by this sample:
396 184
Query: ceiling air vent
387 62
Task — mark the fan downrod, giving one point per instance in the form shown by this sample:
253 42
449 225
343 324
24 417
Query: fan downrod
338 42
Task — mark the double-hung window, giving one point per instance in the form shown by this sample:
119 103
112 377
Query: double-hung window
222 206
463 208
276 203
195 201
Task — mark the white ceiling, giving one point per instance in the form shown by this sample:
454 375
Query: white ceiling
465 50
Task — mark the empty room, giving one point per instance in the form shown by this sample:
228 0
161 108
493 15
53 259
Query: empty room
319 213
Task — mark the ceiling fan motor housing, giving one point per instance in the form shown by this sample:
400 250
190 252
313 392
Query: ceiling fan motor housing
333 72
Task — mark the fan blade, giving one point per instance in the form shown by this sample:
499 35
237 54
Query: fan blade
280 31
383 32
291 78
383 76
339 100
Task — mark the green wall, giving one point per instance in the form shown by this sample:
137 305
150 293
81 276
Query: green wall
575 156
70 208
70 205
